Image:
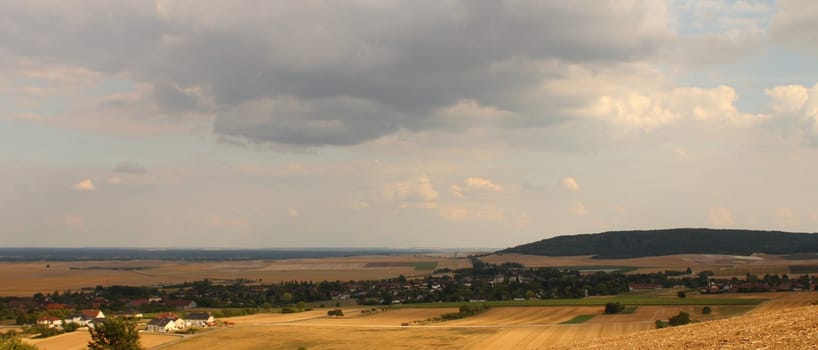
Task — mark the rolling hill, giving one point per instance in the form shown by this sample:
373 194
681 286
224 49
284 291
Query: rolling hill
632 244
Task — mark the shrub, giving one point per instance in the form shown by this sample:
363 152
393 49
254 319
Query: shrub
614 308
681 319
681 294
707 310
336 312
660 324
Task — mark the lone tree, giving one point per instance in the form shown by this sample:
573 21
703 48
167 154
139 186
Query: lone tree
114 334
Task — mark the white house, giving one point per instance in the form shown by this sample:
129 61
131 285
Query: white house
199 319
50 321
165 325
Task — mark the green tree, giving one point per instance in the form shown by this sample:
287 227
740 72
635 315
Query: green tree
681 294
680 319
14 343
286 297
706 310
114 334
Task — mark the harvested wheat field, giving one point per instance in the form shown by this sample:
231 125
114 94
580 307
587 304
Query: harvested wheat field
497 328
27 278
505 316
379 318
721 265
79 340
782 329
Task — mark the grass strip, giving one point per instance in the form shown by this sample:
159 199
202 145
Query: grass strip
578 319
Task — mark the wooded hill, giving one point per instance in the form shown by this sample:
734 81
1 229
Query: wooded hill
632 244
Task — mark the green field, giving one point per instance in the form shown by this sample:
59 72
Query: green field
578 319
626 300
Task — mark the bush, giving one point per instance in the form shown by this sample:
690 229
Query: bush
660 324
614 308
681 294
706 310
681 319
336 312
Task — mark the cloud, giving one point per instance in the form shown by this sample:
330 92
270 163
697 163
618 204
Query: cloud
114 180
85 185
455 214
720 216
795 109
645 111
475 185
313 74
793 24
130 168
292 213
417 193
569 183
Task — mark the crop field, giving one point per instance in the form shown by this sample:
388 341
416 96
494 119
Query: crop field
27 278
721 265
531 327
78 340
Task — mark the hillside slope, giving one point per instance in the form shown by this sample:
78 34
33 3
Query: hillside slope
631 244
783 329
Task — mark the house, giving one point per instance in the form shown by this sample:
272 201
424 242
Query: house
199 319
182 304
130 313
93 313
137 302
56 306
50 321
165 325
79 318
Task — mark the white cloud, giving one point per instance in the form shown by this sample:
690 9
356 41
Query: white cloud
472 185
114 180
796 105
569 183
720 216
84 185
417 193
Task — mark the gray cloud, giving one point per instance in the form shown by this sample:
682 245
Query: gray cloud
794 24
130 168
358 70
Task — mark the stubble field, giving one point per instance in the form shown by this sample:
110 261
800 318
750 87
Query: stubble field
25 279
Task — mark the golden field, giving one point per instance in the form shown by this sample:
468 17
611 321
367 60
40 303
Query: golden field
25 279
498 328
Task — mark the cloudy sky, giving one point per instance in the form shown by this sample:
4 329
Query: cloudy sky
402 123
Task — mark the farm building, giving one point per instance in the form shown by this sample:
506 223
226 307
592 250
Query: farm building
50 321
199 319
165 325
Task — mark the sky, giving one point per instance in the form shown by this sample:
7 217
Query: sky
445 123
